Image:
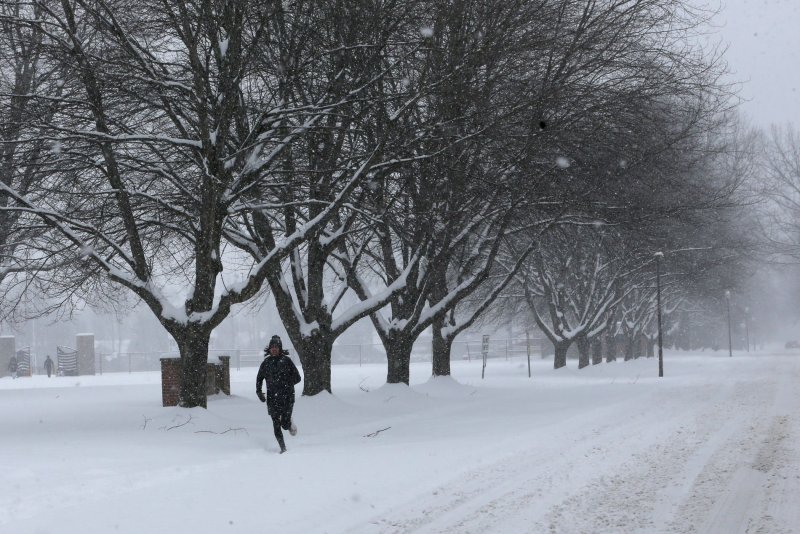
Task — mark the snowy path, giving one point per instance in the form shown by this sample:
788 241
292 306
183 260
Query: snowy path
729 465
714 447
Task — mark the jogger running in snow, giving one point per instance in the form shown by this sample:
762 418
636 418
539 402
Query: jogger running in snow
281 375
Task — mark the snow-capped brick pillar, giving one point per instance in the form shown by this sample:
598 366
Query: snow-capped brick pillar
170 381
8 348
218 378
224 374
84 343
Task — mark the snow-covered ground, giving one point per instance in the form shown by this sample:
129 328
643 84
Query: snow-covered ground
712 447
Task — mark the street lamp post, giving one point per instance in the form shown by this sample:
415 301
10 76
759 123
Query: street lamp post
747 327
658 256
728 303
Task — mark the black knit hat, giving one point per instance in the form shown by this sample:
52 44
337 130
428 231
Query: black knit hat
275 341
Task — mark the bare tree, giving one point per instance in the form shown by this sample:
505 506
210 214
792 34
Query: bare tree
173 155
577 278
24 71
781 218
611 72
448 213
377 52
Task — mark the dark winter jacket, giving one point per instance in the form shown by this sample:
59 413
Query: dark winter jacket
12 364
48 365
281 375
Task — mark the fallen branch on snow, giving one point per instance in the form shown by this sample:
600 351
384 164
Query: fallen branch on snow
180 425
362 388
373 434
234 430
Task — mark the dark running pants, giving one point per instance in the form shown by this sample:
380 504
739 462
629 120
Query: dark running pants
281 419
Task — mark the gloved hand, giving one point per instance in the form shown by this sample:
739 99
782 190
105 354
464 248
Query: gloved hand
261 396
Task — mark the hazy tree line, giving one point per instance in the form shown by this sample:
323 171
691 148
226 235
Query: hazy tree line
442 162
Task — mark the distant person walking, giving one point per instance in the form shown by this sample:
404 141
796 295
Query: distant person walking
12 367
281 375
48 366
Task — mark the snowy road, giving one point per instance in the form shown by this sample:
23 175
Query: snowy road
713 447
717 458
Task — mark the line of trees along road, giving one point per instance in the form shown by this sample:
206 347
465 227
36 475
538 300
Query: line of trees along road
418 163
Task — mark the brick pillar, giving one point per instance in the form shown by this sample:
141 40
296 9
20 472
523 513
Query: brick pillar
84 343
212 387
8 348
224 380
170 381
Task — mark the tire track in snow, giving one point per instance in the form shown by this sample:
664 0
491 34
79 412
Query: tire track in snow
756 491
528 487
729 467
645 493
735 477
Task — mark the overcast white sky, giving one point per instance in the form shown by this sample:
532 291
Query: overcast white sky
764 52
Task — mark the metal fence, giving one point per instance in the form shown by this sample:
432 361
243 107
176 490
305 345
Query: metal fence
461 350
342 354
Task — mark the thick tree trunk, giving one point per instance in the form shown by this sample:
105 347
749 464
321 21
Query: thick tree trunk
560 358
314 350
637 346
398 355
193 345
611 348
583 352
597 350
630 347
315 355
441 347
